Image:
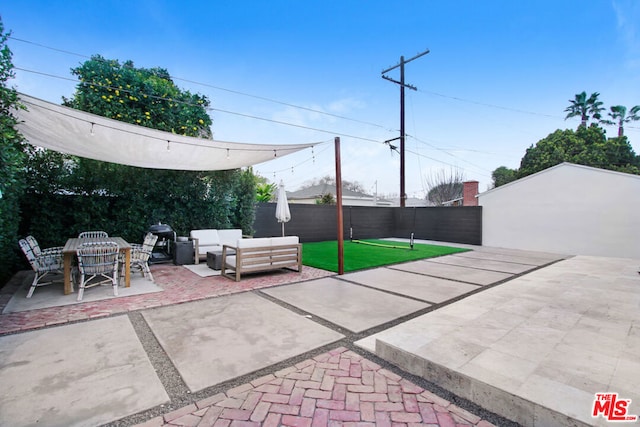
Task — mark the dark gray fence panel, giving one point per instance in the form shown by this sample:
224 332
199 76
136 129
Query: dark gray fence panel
368 222
314 223
446 224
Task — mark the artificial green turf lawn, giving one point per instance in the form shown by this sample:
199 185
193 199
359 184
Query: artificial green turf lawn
357 256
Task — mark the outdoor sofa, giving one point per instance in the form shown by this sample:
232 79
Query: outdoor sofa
260 255
211 240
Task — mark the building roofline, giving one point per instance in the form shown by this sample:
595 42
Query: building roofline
559 165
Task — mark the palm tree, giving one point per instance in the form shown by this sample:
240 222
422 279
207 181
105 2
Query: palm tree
619 115
585 108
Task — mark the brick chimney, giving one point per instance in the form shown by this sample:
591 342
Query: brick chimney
469 192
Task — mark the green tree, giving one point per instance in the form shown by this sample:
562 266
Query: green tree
619 117
586 146
585 108
503 175
326 199
144 96
12 160
265 192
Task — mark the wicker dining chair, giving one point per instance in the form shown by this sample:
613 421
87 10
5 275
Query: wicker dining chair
140 254
93 235
47 262
35 246
97 264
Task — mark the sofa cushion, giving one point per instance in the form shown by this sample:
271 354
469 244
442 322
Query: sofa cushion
230 237
286 240
254 243
206 237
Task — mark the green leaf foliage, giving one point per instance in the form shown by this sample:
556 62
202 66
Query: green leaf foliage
12 160
503 175
586 146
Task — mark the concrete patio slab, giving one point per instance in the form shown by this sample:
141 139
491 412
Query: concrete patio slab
543 256
219 339
484 264
83 374
536 349
453 272
508 257
353 307
426 288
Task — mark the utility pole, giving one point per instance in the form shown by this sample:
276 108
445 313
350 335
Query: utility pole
403 195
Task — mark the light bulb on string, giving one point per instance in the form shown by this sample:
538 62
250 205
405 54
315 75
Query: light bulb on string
168 146
91 132
227 154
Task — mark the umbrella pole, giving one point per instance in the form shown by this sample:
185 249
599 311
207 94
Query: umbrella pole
283 229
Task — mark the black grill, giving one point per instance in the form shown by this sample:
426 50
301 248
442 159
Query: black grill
162 249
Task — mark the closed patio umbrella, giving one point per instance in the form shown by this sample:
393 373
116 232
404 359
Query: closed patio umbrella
282 207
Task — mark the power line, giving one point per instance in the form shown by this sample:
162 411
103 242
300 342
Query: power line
207 108
489 105
447 153
236 92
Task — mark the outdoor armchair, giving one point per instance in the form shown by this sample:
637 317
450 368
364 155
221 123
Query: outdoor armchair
98 264
140 254
35 246
43 262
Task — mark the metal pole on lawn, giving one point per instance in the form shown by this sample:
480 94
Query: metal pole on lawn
339 209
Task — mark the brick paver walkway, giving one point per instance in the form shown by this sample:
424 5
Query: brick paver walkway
335 388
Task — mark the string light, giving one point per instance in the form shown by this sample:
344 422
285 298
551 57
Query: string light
168 146
91 132
227 154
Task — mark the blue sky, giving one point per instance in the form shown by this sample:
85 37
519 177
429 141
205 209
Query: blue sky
497 79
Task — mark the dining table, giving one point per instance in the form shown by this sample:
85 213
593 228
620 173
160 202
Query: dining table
70 249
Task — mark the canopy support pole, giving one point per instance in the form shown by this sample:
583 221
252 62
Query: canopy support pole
339 209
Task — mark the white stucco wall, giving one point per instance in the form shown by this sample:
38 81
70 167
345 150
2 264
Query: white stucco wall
567 209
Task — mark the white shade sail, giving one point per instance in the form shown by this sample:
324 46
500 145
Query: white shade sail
83 134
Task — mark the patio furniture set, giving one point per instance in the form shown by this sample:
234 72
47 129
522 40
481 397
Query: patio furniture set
94 258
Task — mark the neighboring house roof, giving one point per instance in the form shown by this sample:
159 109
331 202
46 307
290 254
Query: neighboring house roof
453 201
553 168
411 202
348 196
317 191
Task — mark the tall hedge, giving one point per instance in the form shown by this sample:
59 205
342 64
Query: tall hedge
12 160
